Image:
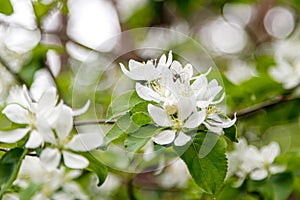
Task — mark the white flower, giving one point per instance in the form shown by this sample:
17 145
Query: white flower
185 118
216 121
175 175
54 184
65 147
286 73
248 160
147 71
267 155
184 101
38 116
205 91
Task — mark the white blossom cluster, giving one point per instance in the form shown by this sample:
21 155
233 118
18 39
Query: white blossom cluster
249 161
56 184
287 69
45 122
181 101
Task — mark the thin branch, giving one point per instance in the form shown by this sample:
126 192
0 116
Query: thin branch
130 190
265 105
100 121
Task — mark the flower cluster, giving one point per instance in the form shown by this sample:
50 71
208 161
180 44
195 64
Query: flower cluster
47 124
287 69
181 101
56 184
248 160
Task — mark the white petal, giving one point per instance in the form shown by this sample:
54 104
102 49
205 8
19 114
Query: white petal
45 131
85 141
201 81
17 114
75 161
35 140
134 65
182 139
146 93
150 72
270 152
214 129
170 59
188 69
64 124
185 107
162 60
159 116
274 169
13 135
219 100
203 104
195 119
42 82
82 110
164 137
133 74
259 174
50 158
47 102
176 66
28 99
54 117
216 120
16 95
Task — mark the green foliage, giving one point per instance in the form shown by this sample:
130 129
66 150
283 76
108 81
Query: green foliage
41 9
30 191
278 187
122 126
9 167
96 165
137 139
6 7
208 170
231 133
133 144
141 118
122 104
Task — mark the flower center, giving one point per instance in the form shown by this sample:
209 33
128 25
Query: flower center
171 106
177 123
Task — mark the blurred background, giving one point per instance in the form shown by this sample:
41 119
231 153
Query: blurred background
77 45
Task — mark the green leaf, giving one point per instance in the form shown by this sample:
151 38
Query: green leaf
139 107
206 161
133 144
145 131
41 9
278 187
122 104
9 167
6 7
122 125
141 118
96 165
231 133
30 191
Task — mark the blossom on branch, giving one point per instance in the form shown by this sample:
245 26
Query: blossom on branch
39 117
249 161
49 124
181 102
